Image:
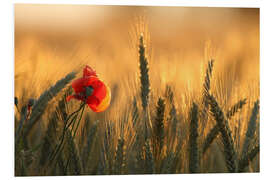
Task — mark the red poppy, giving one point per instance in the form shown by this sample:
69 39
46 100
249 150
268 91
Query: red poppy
92 90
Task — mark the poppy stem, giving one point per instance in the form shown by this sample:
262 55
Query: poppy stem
66 126
82 105
73 125
78 122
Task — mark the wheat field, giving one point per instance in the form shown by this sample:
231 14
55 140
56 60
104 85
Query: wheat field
184 90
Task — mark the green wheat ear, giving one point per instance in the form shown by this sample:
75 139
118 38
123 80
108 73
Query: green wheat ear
226 135
235 108
76 161
89 143
207 84
158 130
251 128
193 138
149 159
144 74
206 92
44 99
145 86
249 156
119 157
213 133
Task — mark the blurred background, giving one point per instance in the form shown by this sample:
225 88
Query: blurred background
52 40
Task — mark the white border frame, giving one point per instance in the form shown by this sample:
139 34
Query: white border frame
7 77
194 3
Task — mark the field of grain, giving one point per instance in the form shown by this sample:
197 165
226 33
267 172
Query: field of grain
184 90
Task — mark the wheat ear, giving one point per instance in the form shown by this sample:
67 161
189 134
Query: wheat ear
144 76
229 150
251 128
43 100
244 162
158 134
193 136
215 130
73 154
119 157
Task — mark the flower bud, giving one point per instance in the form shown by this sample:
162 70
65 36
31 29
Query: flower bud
31 102
89 91
16 101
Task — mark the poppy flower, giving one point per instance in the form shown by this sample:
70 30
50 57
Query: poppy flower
91 90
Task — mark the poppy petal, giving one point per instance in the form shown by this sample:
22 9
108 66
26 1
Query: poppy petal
99 87
75 96
90 81
99 98
100 93
93 103
78 85
105 102
100 90
69 98
88 71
